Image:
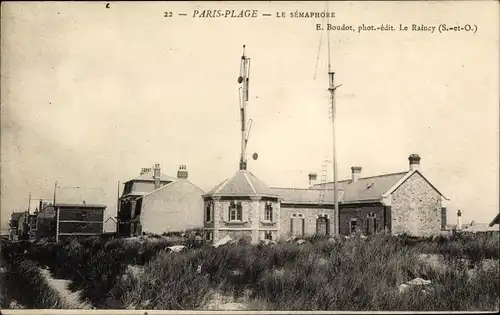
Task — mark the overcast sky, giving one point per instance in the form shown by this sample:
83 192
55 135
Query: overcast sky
91 95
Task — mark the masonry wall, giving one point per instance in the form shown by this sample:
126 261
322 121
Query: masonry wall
310 216
416 208
174 208
360 213
253 224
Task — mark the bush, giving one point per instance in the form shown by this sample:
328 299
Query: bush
25 284
353 274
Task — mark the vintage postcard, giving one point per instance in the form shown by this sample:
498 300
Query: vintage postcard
249 157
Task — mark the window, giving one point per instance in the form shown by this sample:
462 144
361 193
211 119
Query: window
235 211
353 225
208 211
268 235
208 235
269 212
297 228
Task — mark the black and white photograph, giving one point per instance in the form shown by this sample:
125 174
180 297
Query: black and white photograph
241 157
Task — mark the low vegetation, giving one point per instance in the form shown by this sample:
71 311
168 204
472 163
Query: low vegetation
321 274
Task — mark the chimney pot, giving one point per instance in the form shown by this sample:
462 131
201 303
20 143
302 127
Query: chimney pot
312 179
356 173
156 176
182 173
414 161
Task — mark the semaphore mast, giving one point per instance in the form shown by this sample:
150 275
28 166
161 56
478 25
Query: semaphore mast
243 80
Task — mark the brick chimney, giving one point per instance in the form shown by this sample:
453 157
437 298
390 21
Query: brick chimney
356 173
182 172
312 178
156 176
414 162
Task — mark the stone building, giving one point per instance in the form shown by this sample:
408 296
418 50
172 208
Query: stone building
404 202
397 203
148 181
242 206
160 204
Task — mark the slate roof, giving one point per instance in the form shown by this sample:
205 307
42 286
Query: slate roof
148 176
242 183
364 189
80 196
171 185
304 195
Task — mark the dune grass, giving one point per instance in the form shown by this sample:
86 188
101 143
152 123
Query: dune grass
323 274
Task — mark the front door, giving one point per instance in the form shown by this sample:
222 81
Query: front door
322 226
371 224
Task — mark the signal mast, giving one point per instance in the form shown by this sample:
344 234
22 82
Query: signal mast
332 88
243 80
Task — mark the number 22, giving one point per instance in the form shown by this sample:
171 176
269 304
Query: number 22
168 14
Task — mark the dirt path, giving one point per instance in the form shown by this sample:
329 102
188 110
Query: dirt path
73 299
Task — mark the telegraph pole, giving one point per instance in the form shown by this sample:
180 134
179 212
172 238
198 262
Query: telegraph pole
332 88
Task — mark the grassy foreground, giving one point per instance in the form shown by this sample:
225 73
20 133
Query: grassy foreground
321 274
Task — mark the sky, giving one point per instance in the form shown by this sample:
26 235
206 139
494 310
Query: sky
90 95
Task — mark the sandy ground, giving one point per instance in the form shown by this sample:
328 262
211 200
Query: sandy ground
73 299
221 302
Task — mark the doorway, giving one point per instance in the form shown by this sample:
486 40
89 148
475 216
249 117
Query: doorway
322 225
371 223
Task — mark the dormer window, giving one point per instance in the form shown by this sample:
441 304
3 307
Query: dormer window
235 211
269 212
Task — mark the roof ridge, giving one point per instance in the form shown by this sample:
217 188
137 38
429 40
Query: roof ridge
249 181
382 175
295 188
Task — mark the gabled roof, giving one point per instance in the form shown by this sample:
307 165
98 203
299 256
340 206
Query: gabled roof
241 184
402 180
496 220
110 218
148 176
363 189
80 196
170 186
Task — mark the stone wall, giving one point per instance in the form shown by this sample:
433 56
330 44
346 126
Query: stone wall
416 208
253 220
360 213
309 218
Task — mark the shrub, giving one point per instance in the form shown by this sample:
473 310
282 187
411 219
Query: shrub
25 284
